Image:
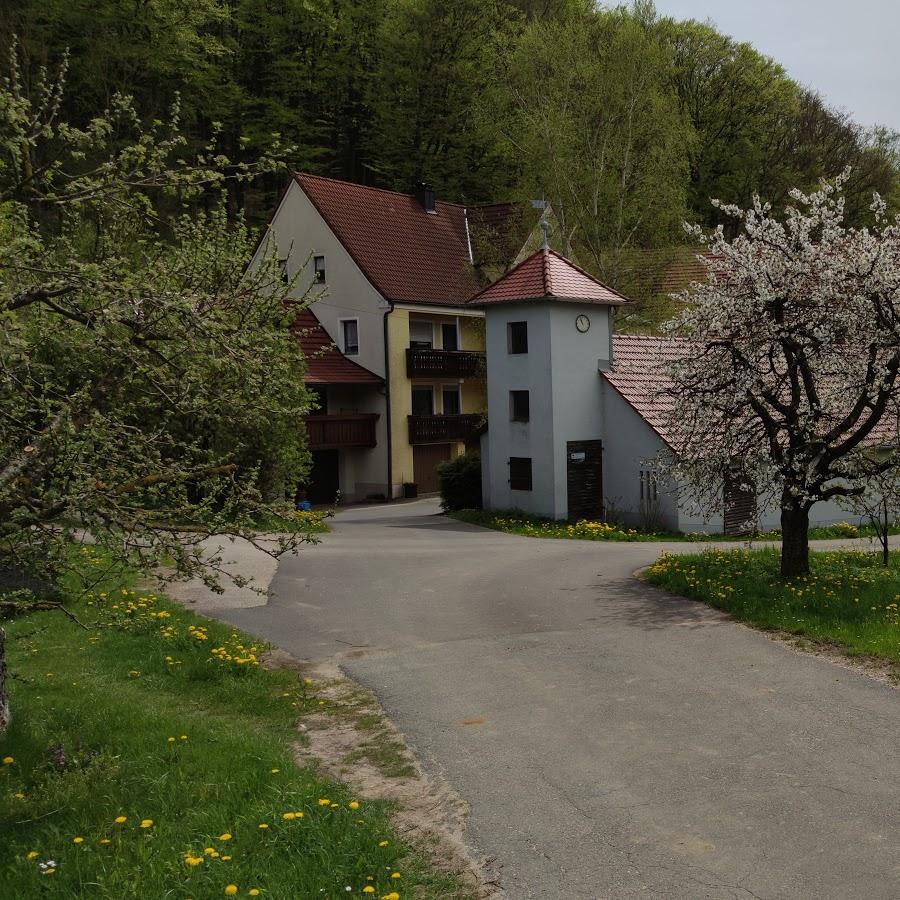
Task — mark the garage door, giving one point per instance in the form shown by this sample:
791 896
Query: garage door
426 459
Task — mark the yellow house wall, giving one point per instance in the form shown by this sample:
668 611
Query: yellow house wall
472 393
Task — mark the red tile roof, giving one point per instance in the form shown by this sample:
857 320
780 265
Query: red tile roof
325 364
408 254
636 376
546 275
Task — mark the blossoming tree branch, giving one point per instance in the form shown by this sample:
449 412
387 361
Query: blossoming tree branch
789 375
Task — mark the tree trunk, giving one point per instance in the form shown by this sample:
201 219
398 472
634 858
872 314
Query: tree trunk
4 696
794 541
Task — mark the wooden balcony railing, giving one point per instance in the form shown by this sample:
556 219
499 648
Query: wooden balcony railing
339 431
443 363
440 429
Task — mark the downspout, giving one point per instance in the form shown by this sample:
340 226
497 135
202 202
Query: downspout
387 403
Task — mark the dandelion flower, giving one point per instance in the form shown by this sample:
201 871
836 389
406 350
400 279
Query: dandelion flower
77 840
105 841
19 795
353 804
32 854
289 816
8 760
171 740
393 895
226 858
146 823
225 837
395 874
324 802
183 737
119 820
383 843
231 890
275 771
368 889
263 825
253 892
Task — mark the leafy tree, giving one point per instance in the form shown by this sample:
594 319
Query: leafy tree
792 354
145 377
585 108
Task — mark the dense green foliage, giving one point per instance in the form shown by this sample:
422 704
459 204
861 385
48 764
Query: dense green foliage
849 599
625 121
460 482
158 716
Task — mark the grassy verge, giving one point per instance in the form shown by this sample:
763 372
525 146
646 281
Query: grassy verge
150 755
313 521
514 522
849 599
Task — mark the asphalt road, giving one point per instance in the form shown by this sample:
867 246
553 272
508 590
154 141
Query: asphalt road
612 742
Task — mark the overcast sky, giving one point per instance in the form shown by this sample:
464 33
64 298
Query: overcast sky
848 50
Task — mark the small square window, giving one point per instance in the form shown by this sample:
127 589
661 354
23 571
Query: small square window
350 334
517 337
519 406
520 473
319 269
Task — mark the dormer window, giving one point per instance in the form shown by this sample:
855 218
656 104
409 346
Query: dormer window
319 270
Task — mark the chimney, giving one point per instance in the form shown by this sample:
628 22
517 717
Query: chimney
424 193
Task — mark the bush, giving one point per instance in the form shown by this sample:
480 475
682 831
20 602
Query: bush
460 480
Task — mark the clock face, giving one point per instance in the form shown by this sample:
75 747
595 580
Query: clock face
582 323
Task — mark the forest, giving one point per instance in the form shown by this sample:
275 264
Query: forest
626 122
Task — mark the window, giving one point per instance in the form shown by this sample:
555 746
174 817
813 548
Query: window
421 334
422 401
517 337
520 473
649 490
450 396
350 336
519 406
282 268
449 336
319 269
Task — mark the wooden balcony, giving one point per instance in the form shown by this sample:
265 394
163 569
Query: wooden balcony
442 429
341 431
443 363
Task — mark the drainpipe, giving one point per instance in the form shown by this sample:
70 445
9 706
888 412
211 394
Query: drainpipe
387 403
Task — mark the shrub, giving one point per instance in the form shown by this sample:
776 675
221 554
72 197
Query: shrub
460 481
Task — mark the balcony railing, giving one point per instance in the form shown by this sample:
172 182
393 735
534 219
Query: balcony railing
440 429
340 431
443 363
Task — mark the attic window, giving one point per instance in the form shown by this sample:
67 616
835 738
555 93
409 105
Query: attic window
319 269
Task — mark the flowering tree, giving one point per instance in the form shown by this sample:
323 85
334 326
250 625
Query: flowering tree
789 373
146 378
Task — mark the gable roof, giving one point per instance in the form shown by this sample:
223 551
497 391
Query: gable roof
325 364
408 254
636 376
546 275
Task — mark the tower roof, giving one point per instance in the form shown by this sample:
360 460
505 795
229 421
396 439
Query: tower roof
546 275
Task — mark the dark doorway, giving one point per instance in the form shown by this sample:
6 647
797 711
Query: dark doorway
584 479
426 459
740 502
324 480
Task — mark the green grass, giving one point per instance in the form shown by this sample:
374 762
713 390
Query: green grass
138 717
313 521
515 522
849 599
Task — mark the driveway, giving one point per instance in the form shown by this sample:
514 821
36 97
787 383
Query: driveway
611 742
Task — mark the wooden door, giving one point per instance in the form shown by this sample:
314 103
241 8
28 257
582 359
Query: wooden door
739 501
426 459
584 479
323 477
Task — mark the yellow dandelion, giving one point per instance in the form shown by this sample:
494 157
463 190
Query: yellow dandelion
119 820
353 804
209 851
77 840
8 760
231 890
383 843
289 816
395 874
225 837
146 823
183 737
324 802
368 889
32 854
253 892
263 825
19 795
226 858
274 771
171 740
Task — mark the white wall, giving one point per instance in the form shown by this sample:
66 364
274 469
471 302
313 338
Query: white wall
299 233
564 399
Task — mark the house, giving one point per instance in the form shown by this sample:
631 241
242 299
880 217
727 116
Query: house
575 415
395 353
